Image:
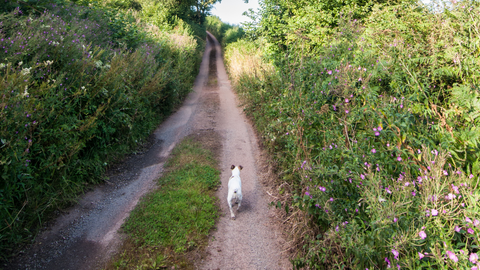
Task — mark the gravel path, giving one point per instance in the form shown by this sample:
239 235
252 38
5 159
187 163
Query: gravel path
252 241
86 235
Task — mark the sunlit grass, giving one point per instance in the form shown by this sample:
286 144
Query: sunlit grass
174 220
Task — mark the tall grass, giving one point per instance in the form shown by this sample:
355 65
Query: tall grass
77 90
375 135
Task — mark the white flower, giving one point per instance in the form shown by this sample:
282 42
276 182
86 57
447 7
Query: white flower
20 63
98 64
2 65
25 71
26 93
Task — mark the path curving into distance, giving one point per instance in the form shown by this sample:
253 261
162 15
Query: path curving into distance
86 235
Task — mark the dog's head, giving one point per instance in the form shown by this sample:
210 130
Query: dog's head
239 167
236 169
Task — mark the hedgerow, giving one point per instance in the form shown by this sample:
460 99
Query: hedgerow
79 88
374 136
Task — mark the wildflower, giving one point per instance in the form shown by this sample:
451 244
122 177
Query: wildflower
374 151
434 212
388 262
470 231
452 256
395 219
346 111
420 255
395 254
473 258
455 189
476 222
445 172
399 158
25 93
422 234
413 193
346 100
468 220
25 71
2 65
471 175
457 229
20 63
306 193
450 196
377 133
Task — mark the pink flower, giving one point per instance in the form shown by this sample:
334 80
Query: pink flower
470 231
422 234
420 255
473 258
395 254
377 133
452 256
476 222
434 212
399 158
457 229
374 151
468 220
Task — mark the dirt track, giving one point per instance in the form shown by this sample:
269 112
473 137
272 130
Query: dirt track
86 236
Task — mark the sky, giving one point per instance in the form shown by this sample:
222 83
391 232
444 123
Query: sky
230 11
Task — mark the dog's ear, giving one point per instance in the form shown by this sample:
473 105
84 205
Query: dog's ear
241 167
233 167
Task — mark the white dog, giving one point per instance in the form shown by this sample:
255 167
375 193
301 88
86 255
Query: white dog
234 189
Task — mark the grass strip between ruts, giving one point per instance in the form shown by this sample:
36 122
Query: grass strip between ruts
172 223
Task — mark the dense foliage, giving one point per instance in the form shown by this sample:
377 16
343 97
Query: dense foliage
374 129
223 32
80 86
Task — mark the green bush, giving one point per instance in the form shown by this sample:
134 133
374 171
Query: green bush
78 89
375 132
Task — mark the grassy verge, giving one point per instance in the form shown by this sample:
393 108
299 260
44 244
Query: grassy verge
171 224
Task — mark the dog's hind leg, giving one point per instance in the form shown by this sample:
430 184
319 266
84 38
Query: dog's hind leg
239 201
232 215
